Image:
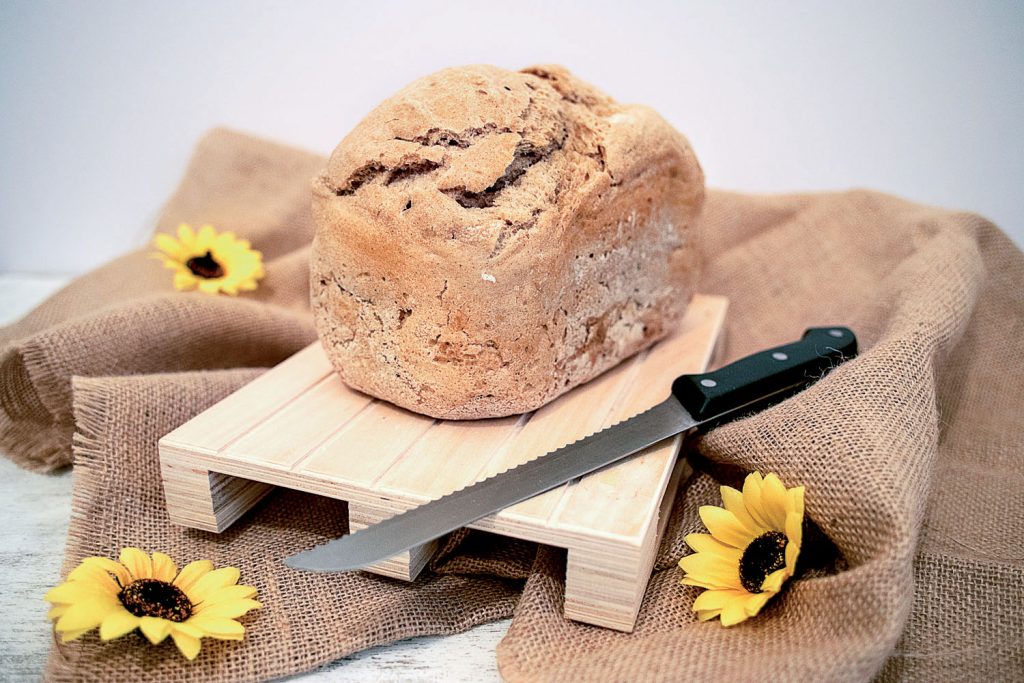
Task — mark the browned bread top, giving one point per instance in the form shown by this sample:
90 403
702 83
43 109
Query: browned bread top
451 223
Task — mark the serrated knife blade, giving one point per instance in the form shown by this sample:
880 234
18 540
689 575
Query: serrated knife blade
746 385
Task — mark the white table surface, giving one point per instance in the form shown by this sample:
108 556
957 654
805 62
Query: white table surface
34 511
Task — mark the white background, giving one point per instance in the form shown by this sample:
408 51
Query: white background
102 102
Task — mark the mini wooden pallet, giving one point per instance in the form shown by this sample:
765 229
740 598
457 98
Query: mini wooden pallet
298 426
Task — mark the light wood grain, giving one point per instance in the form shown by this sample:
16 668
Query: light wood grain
367 447
218 426
318 435
298 428
467 445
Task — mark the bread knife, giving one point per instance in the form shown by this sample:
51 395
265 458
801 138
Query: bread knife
697 402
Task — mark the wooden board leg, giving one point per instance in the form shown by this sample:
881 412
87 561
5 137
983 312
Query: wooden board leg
201 499
407 565
605 585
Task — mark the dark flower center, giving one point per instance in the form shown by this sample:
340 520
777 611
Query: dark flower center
153 598
764 555
205 266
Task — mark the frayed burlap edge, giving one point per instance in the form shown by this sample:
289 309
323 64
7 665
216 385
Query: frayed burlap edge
29 424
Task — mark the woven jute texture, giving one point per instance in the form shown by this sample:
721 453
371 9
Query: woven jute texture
912 454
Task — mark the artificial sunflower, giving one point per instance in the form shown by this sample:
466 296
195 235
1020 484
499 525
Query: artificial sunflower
152 595
210 261
751 551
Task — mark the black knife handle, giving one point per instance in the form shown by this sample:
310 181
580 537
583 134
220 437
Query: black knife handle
765 377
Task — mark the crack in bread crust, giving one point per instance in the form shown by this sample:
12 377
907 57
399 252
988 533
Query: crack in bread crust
526 155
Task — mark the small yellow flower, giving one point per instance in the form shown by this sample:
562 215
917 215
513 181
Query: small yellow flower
149 593
209 261
751 551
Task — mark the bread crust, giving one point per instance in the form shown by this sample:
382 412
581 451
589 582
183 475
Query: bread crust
487 240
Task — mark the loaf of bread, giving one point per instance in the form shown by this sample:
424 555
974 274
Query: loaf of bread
487 240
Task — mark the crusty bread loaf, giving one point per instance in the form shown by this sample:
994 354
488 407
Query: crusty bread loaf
487 240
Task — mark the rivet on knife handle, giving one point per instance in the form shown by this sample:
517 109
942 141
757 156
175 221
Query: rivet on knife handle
765 377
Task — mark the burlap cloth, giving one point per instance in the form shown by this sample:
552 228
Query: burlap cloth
911 454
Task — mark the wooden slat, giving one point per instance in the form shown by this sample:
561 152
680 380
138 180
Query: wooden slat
300 426
466 448
364 449
216 427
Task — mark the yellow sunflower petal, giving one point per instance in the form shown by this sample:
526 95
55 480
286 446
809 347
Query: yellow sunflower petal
733 501
118 623
718 599
707 564
169 246
187 629
164 568
207 587
186 236
236 592
68 636
792 555
93 573
752 499
724 526
773 582
205 238
232 609
755 601
218 627
711 582
188 645
710 569
796 500
56 611
774 499
111 567
208 286
192 572
72 592
734 613
171 264
710 585
86 614
707 615
794 536
226 241
794 528
137 563
184 280
154 628
706 543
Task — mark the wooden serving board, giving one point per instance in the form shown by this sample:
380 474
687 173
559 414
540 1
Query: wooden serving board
299 426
